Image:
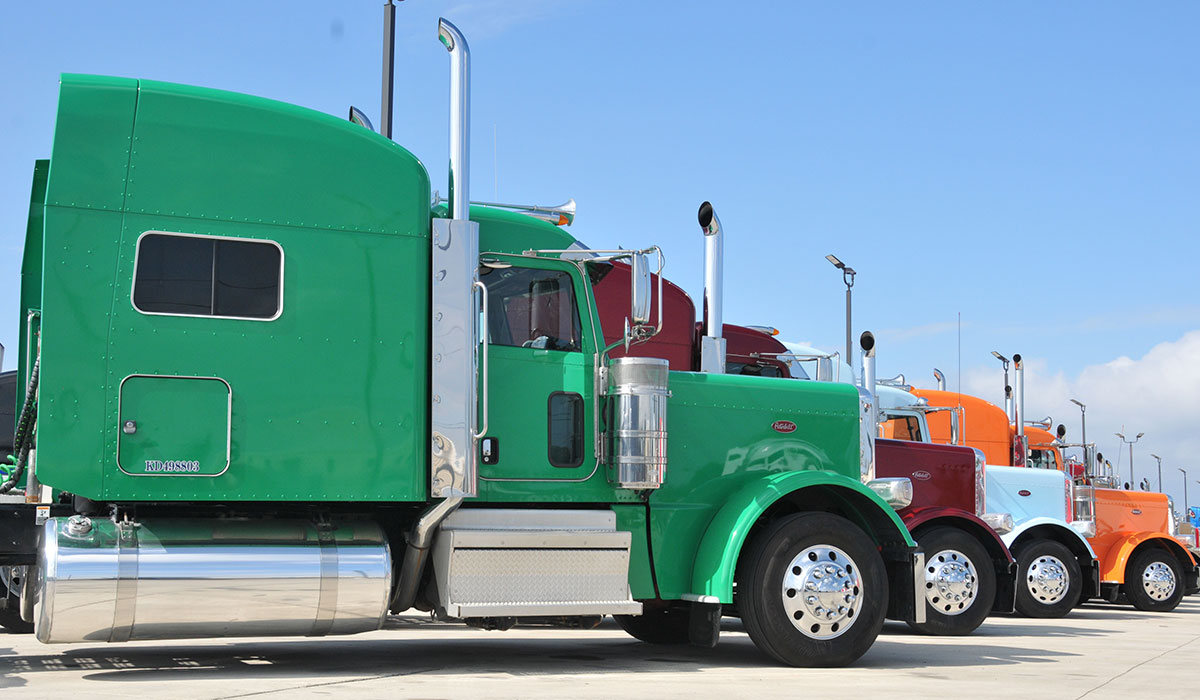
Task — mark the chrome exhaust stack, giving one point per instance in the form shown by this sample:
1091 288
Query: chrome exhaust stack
941 379
454 337
1019 448
712 345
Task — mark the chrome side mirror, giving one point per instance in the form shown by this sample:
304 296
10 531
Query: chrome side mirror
640 292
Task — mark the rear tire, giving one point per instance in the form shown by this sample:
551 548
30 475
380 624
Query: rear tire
812 590
1049 580
960 582
1153 581
10 614
658 624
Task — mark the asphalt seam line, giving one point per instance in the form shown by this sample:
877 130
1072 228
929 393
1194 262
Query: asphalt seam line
1137 666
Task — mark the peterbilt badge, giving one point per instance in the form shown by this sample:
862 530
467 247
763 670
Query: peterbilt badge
1024 492
783 426
922 475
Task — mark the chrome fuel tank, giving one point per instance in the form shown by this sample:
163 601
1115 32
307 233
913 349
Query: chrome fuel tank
170 579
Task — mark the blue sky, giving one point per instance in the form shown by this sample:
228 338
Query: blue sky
1031 165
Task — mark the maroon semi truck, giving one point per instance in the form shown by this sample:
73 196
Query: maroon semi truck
969 571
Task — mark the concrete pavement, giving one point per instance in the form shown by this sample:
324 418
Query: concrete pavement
1097 652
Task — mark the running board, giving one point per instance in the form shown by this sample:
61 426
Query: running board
523 563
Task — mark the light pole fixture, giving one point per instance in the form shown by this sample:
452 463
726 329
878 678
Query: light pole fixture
1132 480
1087 462
1160 486
847 277
1007 388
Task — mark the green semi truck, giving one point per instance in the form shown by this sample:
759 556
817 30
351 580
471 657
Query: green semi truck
269 389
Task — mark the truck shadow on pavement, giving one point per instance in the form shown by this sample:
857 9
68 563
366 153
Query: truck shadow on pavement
462 652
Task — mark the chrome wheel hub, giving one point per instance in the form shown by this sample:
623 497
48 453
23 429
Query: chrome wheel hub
1047 580
950 582
822 592
1159 581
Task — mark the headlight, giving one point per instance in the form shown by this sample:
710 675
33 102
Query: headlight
980 482
896 491
866 434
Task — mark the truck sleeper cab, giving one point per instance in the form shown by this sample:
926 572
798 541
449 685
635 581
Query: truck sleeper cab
291 388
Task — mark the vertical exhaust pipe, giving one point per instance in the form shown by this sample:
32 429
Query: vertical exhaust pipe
712 345
454 372
460 118
867 342
941 379
1019 411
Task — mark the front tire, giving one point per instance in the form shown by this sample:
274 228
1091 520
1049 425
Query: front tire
1153 581
960 582
1049 580
812 590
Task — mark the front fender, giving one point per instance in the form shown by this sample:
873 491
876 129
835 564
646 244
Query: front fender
717 556
1112 569
1027 525
916 517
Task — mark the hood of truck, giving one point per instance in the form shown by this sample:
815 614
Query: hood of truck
1027 493
1121 513
942 475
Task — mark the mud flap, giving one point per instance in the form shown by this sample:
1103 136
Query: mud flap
1191 580
704 625
1006 586
906 599
1091 581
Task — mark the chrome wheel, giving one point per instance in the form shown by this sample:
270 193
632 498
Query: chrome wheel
1047 579
822 592
951 582
1158 580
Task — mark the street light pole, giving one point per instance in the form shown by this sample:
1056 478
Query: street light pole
1007 388
1160 488
1132 479
1087 460
847 277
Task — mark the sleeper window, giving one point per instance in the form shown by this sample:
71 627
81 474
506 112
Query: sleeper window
202 276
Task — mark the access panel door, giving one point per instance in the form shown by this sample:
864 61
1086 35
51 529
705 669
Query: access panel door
174 426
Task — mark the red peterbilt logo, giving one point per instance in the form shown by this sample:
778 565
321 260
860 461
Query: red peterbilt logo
1024 492
783 426
922 475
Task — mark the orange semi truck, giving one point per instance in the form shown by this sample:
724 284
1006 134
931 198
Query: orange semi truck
1134 537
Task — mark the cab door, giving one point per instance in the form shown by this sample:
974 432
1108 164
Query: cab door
541 394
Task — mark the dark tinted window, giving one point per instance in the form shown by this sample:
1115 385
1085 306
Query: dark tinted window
565 429
207 277
531 308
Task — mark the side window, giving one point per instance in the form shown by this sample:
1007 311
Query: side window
565 429
901 427
531 308
206 276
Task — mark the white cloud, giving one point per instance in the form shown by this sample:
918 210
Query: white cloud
1157 394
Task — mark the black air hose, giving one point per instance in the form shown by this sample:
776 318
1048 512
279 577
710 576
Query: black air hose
23 437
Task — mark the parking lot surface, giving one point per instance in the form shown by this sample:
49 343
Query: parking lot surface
1099 651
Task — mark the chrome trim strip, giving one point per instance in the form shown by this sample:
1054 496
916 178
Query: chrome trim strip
138 250
228 423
